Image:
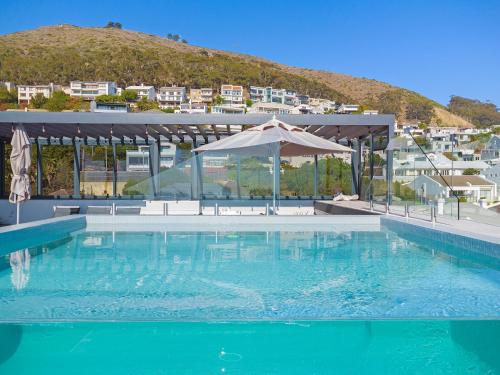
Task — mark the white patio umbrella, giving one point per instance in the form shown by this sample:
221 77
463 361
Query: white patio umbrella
20 161
275 138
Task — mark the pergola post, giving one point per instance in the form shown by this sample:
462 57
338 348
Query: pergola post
355 166
372 163
39 167
194 187
115 169
154 166
2 168
276 178
199 174
315 176
76 169
238 176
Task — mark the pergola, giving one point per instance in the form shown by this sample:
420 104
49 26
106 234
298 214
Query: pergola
151 128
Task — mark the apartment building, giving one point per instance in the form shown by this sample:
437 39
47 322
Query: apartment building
143 91
270 95
348 108
138 160
192 108
91 90
228 109
203 95
272 108
26 92
170 97
231 94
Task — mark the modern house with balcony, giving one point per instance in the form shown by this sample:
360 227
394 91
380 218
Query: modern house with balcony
143 91
138 160
270 95
171 97
232 95
26 92
472 188
203 95
272 108
192 108
91 90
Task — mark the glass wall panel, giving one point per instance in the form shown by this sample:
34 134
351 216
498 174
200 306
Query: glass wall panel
175 171
57 167
8 169
96 170
256 177
133 175
334 175
297 176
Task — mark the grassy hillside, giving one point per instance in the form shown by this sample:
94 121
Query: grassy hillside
62 53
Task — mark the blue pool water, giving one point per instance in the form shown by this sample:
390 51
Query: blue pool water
205 276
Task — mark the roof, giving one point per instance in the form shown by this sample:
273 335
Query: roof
462 180
94 124
139 87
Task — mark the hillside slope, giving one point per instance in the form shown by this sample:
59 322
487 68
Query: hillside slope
62 53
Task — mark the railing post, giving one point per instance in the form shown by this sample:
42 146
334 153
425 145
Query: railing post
113 209
371 205
386 208
216 209
165 209
267 209
407 210
433 214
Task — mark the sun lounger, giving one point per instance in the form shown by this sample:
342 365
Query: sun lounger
66 210
99 210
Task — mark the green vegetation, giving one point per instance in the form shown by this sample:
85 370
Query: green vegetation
479 113
146 105
471 171
168 110
57 103
38 101
218 100
248 102
113 25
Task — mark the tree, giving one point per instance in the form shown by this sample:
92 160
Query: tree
113 25
218 100
57 102
38 101
471 171
168 110
249 102
184 41
146 105
129 95
108 99
7 96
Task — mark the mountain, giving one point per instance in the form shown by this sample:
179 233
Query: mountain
479 113
62 53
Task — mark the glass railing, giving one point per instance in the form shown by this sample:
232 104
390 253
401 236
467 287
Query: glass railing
425 186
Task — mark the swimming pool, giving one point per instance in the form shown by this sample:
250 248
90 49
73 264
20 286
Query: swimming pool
79 281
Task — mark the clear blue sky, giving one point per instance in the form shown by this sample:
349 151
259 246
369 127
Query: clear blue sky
438 48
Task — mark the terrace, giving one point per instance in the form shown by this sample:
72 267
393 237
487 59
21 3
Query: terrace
96 144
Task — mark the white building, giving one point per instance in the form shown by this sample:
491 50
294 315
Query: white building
348 108
270 95
228 108
416 165
26 92
203 95
138 160
472 188
192 108
231 94
273 108
171 97
91 90
321 106
143 91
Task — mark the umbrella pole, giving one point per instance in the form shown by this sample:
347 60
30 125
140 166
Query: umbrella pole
17 213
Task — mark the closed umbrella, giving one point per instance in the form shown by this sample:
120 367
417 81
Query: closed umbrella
20 161
277 138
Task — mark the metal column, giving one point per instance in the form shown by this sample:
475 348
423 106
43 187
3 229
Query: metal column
39 168
76 169
154 166
372 164
194 179
315 176
199 174
115 169
355 166
2 168
238 176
